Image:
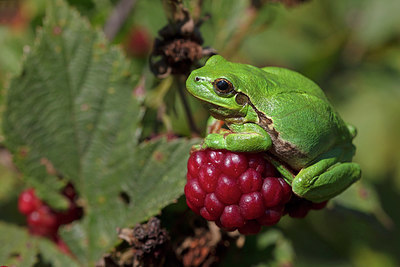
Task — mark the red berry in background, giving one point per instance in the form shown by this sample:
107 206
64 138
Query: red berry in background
28 202
42 220
236 190
74 212
138 43
69 192
62 246
71 214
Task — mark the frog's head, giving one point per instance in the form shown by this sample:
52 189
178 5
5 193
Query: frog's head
223 87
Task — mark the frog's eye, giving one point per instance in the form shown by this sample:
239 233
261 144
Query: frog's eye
222 86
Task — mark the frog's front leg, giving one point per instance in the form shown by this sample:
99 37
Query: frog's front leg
247 137
326 178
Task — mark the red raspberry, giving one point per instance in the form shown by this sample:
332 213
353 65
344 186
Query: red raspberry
74 212
28 202
236 190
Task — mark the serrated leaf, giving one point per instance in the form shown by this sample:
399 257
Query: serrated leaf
72 107
18 248
151 176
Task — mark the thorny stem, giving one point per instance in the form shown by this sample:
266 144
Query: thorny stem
189 116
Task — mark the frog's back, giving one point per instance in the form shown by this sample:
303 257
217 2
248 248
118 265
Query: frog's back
304 123
294 82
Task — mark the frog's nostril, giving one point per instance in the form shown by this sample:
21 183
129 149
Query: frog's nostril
197 79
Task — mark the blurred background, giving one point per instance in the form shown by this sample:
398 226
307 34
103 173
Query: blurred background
351 48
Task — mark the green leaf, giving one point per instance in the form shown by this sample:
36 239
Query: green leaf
363 197
18 248
72 110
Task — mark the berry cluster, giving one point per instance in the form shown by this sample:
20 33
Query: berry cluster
240 191
42 220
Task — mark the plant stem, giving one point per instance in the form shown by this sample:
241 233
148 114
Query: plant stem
180 81
118 17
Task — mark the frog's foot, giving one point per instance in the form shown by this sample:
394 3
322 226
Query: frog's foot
248 137
325 179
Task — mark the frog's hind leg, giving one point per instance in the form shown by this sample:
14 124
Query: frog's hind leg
330 183
326 178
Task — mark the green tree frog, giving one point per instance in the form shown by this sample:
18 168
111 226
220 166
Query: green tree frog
283 113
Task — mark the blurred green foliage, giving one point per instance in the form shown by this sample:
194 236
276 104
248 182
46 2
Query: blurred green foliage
350 47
